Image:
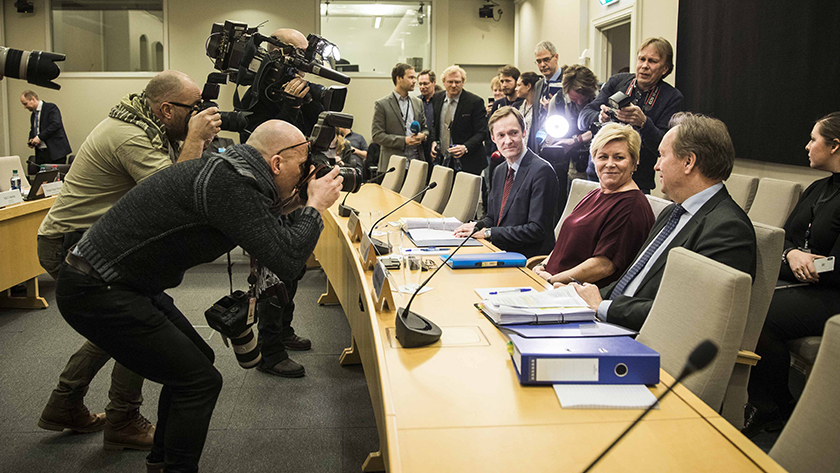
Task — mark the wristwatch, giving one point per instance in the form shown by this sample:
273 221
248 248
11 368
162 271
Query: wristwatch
487 233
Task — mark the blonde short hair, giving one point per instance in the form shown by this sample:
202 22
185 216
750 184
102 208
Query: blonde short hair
495 83
617 132
452 69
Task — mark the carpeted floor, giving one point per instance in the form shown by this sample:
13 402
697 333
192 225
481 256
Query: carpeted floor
320 423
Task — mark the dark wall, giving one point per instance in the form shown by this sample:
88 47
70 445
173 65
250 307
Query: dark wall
768 69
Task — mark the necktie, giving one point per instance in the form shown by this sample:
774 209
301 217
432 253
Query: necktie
447 121
505 193
37 122
641 262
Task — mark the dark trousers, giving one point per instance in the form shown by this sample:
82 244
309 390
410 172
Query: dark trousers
42 156
275 325
150 336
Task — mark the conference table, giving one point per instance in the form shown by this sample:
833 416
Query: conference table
19 252
457 405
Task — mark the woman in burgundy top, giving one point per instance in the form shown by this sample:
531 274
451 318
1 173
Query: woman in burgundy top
606 230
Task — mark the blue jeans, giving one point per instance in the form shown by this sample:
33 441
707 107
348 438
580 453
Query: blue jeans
150 336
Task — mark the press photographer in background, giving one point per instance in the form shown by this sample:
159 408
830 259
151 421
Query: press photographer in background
110 289
652 103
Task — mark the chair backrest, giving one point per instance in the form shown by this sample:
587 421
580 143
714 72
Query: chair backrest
742 189
808 441
577 192
463 202
774 200
698 299
770 242
657 204
394 180
437 198
7 165
415 179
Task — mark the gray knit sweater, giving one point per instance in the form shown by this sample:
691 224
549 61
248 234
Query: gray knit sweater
192 213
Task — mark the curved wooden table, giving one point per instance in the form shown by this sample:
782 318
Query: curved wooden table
19 252
457 405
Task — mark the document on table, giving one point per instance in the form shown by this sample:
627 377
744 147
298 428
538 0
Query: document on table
424 237
448 223
604 396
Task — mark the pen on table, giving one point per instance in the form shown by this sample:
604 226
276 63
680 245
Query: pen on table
520 289
576 281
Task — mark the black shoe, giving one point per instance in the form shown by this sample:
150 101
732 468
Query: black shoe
286 368
757 420
298 343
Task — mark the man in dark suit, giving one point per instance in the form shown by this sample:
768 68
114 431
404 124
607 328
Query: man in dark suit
460 125
46 133
546 57
525 189
696 155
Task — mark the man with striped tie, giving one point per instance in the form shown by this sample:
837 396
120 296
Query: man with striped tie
696 155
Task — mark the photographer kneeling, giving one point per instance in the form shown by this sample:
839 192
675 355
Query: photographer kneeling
110 288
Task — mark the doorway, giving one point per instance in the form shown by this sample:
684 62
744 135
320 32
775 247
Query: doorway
617 44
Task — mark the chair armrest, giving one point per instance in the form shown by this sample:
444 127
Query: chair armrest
747 358
535 261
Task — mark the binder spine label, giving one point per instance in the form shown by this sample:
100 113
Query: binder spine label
564 369
489 264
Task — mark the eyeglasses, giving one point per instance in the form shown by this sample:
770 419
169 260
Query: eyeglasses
544 60
193 107
294 146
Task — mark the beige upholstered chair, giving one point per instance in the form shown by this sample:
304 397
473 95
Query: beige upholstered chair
415 179
774 200
578 191
463 202
742 189
769 244
657 204
803 352
698 299
394 180
437 198
809 441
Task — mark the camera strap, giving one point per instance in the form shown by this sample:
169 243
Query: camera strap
653 94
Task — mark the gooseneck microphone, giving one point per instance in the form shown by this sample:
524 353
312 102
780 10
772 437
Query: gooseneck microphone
705 352
344 210
414 330
384 248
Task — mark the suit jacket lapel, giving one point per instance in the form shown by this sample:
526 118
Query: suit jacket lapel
521 175
395 107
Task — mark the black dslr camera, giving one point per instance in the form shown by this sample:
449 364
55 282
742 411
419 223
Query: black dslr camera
233 317
322 135
618 101
231 121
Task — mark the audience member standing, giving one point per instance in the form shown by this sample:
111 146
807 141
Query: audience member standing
654 102
393 116
46 132
461 125
547 87
427 82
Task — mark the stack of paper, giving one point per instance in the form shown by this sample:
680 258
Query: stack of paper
447 223
604 396
424 237
549 307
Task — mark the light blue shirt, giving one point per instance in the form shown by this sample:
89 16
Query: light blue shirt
518 162
691 205
407 114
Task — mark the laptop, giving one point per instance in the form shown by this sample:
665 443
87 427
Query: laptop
7 165
36 192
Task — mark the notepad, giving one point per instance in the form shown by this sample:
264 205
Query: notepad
604 396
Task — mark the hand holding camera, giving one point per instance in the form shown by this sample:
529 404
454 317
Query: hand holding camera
324 191
205 125
296 90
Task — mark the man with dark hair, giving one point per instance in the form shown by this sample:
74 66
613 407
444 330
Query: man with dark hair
696 155
393 116
110 288
525 189
46 132
426 81
461 125
141 136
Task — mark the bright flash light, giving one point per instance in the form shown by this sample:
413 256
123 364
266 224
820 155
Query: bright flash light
336 54
556 126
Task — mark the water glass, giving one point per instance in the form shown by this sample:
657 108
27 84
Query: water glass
413 270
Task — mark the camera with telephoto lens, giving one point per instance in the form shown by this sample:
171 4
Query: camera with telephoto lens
35 67
237 52
229 316
322 136
231 121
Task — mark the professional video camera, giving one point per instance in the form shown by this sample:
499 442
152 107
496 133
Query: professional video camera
35 67
236 50
322 135
231 121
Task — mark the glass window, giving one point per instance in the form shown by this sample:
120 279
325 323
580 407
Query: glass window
108 35
373 36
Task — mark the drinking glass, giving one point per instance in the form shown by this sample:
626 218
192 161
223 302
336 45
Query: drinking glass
413 269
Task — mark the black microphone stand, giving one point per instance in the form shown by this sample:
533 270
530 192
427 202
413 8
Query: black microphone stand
345 210
697 360
414 330
384 248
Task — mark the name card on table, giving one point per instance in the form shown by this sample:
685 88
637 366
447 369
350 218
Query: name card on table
354 226
367 252
381 293
10 197
52 188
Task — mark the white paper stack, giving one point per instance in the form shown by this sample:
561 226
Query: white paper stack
604 396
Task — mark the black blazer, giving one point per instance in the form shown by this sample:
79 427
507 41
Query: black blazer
720 230
527 221
51 132
468 128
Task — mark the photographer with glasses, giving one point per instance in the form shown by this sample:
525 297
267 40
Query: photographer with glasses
110 288
143 134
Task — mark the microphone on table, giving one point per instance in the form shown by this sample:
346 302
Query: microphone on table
344 210
414 330
384 248
702 355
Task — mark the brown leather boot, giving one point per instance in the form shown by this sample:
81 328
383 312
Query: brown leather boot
135 433
76 418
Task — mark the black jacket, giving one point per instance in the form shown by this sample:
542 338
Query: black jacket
51 132
468 128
